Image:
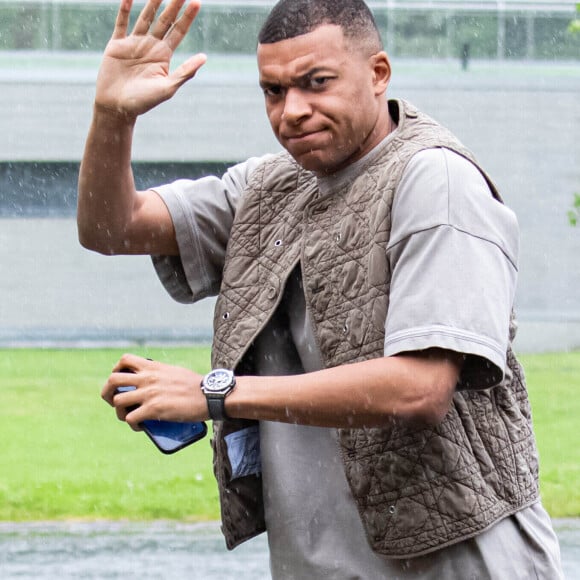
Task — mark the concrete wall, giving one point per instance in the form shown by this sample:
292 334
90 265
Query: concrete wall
521 120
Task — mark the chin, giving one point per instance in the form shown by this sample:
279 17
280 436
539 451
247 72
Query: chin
316 164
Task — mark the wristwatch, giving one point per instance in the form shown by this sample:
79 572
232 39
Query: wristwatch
216 386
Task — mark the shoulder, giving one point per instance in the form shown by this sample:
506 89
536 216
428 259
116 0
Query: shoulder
238 176
231 184
276 172
442 188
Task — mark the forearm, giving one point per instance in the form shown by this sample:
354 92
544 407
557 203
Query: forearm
106 192
415 389
134 78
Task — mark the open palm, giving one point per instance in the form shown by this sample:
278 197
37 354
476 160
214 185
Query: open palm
135 72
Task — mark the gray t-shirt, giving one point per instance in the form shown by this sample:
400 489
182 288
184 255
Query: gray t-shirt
453 256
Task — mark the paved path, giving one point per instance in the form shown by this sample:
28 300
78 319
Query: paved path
70 550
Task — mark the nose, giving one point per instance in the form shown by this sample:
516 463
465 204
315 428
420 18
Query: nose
296 106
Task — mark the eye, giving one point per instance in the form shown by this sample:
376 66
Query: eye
318 82
272 91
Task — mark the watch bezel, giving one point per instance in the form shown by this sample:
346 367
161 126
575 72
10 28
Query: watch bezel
218 382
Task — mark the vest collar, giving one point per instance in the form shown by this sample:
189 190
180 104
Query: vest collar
329 183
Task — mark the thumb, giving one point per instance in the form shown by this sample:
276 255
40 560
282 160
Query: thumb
188 69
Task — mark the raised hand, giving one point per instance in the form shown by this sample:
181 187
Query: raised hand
134 76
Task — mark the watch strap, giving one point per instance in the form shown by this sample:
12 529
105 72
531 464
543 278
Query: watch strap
216 407
216 386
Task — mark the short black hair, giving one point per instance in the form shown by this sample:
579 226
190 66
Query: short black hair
292 18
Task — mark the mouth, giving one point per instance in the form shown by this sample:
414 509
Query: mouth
302 138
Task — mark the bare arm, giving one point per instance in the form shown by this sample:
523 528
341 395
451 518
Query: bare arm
415 388
113 217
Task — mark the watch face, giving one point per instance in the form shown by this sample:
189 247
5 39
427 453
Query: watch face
219 381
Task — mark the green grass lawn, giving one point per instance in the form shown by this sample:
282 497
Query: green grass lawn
64 455
554 387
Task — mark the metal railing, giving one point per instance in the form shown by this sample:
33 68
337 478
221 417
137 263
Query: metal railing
517 29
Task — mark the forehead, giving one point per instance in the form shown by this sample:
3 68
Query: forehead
324 47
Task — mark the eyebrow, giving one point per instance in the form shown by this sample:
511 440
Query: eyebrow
296 81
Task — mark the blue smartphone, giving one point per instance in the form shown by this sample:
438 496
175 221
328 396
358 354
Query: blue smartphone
170 436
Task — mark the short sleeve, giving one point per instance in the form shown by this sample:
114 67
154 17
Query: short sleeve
453 256
202 212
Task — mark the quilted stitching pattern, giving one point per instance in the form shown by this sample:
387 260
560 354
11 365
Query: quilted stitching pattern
417 490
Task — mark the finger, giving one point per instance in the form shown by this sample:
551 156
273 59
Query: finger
127 415
166 19
188 69
122 21
109 390
146 17
115 381
126 402
130 362
121 412
181 26
133 419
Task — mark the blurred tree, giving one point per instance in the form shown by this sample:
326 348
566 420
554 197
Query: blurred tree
574 213
574 26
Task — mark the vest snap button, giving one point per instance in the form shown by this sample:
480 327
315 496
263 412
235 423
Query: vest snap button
278 243
225 315
337 238
271 292
392 509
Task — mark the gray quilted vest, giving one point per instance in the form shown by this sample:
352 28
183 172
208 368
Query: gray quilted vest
416 489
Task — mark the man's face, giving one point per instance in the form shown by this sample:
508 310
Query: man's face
324 98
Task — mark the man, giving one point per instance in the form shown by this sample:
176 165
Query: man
376 422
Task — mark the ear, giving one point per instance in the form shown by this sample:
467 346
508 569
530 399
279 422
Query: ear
381 68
